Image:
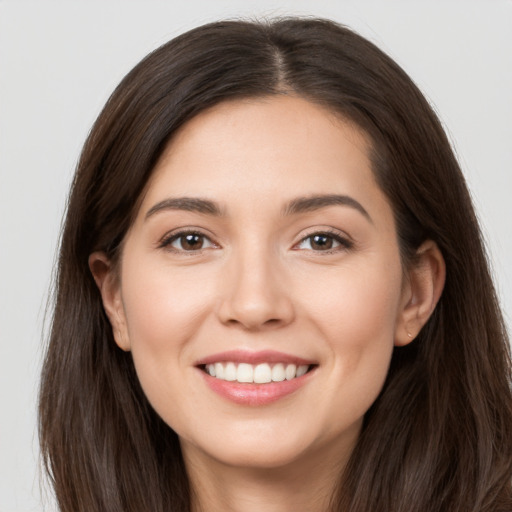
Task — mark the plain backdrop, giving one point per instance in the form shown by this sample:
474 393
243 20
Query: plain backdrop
59 61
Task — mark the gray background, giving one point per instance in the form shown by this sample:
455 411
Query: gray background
60 60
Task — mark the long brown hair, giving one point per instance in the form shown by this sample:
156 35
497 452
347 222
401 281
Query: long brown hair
439 436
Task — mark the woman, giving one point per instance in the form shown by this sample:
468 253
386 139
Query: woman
272 291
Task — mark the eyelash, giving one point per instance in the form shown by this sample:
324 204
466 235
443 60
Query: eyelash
168 240
344 242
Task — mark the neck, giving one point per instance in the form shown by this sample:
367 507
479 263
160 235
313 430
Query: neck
307 483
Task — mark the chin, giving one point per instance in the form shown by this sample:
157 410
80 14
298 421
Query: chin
258 457
270 446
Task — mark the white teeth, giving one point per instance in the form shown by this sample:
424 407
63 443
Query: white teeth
262 374
244 372
219 370
301 370
230 371
290 372
259 374
278 374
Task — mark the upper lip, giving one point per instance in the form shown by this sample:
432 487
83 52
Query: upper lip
250 357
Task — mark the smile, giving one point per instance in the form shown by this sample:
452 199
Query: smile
262 373
255 378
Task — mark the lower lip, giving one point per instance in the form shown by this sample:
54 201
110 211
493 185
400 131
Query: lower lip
255 394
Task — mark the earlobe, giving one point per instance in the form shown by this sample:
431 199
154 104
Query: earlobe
108 284
425 283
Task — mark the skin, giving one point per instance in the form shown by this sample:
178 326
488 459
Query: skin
259 283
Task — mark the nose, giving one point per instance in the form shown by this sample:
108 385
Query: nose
254 294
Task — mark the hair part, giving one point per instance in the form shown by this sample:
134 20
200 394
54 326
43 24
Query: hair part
439 436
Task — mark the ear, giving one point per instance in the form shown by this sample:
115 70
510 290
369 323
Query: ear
421 292
108 283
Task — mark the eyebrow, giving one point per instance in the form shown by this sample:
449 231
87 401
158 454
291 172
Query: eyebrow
190 204
312 203
294 207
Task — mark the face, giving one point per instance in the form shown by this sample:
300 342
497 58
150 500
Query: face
261 289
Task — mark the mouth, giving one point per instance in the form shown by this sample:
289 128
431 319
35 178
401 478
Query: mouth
262 373
255 378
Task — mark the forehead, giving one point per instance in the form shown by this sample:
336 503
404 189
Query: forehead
267 151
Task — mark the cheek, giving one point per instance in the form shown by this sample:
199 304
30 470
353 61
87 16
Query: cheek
162 307
163 311
362 300
355 313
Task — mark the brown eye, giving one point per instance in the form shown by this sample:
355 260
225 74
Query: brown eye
191 242
319 242
188 242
